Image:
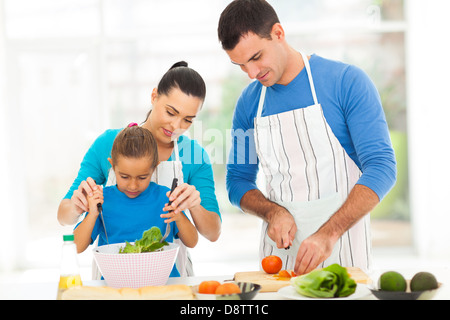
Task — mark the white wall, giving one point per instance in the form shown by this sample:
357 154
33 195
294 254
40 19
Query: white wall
428 111
428 65
8 223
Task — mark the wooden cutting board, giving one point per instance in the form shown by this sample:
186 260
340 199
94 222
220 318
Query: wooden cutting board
272 283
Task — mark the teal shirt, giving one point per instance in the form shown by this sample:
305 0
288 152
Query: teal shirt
197 169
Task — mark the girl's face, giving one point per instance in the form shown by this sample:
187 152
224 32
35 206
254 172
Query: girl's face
133 175
172 114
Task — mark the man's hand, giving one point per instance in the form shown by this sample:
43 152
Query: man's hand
319 246
282 227
313 250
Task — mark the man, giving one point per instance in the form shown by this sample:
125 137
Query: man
320 136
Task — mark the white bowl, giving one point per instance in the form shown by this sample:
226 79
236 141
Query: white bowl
135 270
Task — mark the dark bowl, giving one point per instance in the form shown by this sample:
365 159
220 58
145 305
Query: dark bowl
405 295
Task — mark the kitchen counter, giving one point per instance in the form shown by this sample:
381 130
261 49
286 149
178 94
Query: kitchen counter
47 290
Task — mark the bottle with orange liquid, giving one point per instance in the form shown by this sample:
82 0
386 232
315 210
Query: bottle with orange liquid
69 270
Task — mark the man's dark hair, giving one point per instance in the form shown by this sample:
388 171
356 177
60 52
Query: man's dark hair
241 17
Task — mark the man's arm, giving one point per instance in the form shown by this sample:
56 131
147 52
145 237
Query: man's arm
319 246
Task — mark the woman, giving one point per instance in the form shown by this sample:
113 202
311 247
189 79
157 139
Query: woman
176 102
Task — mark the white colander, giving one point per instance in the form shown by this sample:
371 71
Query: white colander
135 270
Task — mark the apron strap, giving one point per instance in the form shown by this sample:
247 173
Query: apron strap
175 150
311 82
261 101
177 156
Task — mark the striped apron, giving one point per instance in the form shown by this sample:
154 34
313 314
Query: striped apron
308 172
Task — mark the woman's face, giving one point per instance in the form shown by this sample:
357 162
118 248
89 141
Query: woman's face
172 114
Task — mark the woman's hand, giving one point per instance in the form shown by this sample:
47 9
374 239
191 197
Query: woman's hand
79 197
184 197
70 210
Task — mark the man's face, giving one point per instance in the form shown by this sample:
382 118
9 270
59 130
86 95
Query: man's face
262 59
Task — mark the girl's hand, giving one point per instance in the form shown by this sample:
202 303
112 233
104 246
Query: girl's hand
170 216
95 199
184 197
79 197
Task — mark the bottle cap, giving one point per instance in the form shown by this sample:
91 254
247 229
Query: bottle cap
68 237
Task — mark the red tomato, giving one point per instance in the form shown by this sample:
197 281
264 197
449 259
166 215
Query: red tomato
272 264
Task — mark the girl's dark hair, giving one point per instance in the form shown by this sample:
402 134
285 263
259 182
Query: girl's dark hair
184 78
243 16
135 142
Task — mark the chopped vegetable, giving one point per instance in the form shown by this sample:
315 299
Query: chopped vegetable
148 243
284 274
332 281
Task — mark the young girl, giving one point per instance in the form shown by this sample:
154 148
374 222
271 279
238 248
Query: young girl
134 204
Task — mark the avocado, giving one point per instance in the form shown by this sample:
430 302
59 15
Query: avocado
392 281
423 281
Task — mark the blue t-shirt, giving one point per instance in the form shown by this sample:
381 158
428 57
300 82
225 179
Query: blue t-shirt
197 169
351 106
127 218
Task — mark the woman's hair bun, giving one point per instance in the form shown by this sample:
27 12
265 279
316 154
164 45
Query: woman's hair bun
184 78
179 64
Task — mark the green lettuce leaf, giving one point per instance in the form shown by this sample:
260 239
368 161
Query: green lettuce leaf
316 284
148 243
329 282
346 285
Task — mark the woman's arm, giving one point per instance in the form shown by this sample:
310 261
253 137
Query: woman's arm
93 169
208 223
68 213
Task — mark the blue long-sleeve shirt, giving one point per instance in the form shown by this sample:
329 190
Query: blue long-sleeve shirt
352 108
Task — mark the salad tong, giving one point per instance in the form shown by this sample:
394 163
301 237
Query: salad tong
174 185
100 210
